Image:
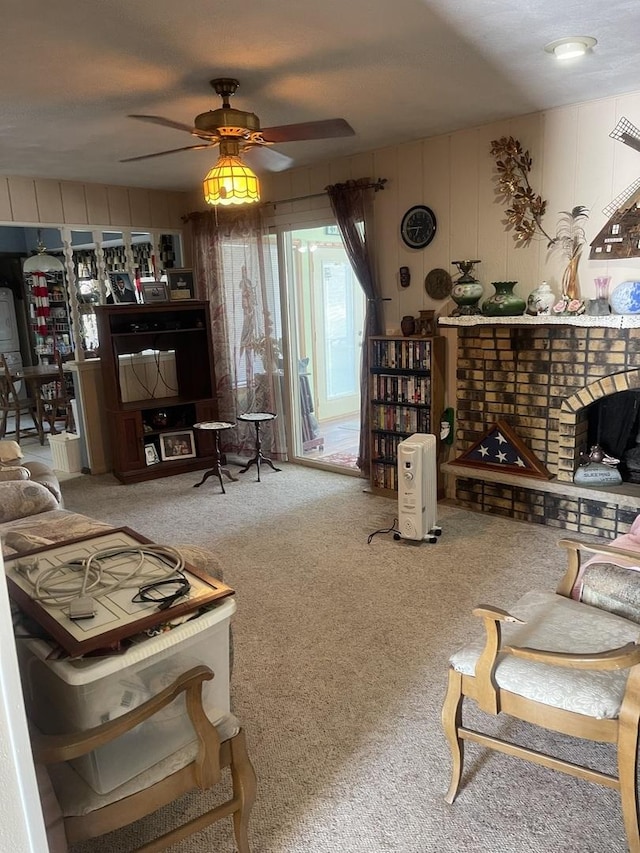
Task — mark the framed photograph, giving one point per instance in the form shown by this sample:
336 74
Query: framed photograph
151 454
154 291
121 287
181 284
177 445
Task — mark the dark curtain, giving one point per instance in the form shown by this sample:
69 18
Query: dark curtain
351 205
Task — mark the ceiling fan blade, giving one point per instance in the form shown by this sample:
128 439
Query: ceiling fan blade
170 151
167 122
265 159
327 129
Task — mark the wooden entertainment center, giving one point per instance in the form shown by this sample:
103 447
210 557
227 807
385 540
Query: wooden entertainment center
166 348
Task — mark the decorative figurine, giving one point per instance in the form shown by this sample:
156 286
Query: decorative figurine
597 468
405 276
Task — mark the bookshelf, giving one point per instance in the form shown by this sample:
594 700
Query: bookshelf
407 396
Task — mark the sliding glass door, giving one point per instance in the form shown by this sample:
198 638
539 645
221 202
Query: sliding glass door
325 307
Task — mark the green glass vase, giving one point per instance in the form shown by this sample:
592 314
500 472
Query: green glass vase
504 302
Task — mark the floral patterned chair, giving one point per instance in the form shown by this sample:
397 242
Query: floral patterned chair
568 661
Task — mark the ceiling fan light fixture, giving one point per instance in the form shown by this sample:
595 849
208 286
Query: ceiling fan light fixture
571 47
231 182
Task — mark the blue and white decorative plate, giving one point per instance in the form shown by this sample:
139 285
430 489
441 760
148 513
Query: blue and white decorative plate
625 298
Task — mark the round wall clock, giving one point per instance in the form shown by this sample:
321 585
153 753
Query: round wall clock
418 226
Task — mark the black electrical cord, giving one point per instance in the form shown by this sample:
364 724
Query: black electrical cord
156 591
393 529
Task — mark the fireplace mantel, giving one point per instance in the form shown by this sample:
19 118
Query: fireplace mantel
610 321
626 493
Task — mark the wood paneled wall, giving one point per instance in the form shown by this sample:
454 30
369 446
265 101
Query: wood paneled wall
574 162
35 201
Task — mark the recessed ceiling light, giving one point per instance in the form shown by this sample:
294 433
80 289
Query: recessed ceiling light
571 47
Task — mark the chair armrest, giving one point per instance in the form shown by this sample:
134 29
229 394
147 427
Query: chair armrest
50 749
488 690
486 611
620 658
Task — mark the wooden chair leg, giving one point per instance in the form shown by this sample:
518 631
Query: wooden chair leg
244 788
451 722
3 424
38 425
628 723
17 425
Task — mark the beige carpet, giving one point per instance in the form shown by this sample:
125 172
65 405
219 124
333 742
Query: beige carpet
341 653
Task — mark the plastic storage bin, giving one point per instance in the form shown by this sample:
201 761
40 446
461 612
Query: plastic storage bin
65 452
75 695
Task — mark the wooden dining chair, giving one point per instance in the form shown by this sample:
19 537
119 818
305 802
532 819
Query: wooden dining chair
86 814
12 405
54 402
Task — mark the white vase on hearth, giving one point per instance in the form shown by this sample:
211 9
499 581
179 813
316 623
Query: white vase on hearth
541 300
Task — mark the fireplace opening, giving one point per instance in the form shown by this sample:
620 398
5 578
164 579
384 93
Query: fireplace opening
614 426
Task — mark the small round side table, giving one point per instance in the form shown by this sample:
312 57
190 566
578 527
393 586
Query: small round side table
216 427
257 418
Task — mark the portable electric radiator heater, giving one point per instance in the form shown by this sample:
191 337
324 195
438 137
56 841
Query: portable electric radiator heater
418 488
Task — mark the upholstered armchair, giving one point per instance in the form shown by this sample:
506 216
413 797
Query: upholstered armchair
568 661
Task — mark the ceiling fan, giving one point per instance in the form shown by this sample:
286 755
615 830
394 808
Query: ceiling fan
237 131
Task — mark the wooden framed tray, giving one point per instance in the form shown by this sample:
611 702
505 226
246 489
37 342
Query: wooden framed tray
117 616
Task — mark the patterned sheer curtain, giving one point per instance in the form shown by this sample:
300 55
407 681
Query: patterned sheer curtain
235 268
351 206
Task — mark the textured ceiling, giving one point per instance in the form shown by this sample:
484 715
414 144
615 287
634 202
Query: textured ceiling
396 71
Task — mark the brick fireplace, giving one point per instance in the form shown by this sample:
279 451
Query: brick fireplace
542 375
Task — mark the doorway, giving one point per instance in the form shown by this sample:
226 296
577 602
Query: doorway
326 309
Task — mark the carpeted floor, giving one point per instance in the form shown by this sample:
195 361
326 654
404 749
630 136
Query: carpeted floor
341 654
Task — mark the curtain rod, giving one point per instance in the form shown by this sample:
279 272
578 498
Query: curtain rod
374 185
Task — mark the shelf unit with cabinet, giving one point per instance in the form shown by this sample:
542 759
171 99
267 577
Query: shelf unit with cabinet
158 374
49 321
406 396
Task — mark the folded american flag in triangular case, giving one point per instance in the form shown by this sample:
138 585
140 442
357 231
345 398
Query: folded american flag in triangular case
500 449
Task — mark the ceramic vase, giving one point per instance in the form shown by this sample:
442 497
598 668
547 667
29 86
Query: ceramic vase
408 325
541 300
504 302
625 298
